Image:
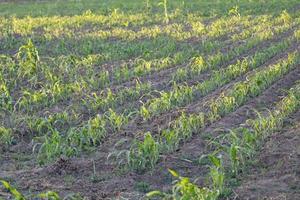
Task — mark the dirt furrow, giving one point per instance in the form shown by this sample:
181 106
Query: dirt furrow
276 172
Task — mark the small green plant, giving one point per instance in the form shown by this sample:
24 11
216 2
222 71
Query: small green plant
180 75
144 154
53 147
169 140
28 58
147 4
115 120
285 17
6 136
217 175
19 196
144 112
164 3
184 189
92 133
234 11
198 65
5 97
15 193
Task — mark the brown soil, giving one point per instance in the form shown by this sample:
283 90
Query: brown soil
276 173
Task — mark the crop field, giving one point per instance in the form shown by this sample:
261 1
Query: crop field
150 99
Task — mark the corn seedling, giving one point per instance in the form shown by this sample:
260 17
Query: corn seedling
183 188
144 154
6 136
18 196
164 3
28 58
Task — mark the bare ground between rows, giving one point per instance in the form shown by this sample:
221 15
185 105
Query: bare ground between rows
76 175
276 173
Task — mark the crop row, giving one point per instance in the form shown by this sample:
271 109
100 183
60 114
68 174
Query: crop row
145 154
185 94
116 48
197 66
28 25
87 137
232 151
142 67
95 102
28 57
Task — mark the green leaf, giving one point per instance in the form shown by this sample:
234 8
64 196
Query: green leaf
17 195
233 152
175 174
49 195
154 193
215 161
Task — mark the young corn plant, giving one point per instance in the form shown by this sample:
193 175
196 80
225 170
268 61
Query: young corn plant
39 126
234 11
198 65
6 136
234 148
164 3
143 154
5 97
217 175
19 196
184 189
285 17
92 133
115 120
180 75
148 4
53 147
169 140
187 125
28 58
